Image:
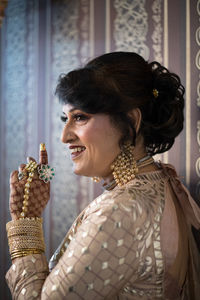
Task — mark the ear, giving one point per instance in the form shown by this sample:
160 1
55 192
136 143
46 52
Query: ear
136 116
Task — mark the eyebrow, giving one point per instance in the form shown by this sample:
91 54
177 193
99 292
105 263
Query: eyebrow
71 110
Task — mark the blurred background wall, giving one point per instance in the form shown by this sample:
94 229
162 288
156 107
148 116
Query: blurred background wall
41 39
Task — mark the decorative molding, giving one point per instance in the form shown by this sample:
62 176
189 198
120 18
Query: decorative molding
14 104
65 47
157 35
108 28
157 40
198 142
197 165
131 27
32 98
197 61
15 85
166 54
92 25
84 30
188 93
198 93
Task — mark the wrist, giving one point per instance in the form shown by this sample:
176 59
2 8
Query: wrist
25 237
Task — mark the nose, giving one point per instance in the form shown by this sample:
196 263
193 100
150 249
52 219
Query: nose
67 135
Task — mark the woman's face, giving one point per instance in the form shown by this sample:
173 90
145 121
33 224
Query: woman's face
93 141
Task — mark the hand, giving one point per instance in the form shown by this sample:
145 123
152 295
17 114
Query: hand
39 191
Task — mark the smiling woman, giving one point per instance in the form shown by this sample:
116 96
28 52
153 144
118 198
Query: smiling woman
135 240
93 141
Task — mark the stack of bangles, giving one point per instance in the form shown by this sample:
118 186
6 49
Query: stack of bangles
25 235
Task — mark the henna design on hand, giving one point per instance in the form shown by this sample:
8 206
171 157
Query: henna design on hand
39 191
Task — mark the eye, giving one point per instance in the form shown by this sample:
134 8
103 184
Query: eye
64 119
76 117
80 117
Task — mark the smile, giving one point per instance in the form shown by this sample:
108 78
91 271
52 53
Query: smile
76 151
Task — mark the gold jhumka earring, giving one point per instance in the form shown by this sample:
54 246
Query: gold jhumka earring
124 167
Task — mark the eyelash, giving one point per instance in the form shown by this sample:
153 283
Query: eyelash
63 119
76 117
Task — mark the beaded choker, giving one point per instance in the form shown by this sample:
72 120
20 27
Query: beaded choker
147 160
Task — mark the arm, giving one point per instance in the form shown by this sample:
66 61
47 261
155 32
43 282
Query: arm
97 263
25 235
26 276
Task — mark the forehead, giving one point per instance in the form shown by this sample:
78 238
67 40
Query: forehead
67 108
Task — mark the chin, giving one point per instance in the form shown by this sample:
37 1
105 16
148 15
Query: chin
80 172
83 173
77 172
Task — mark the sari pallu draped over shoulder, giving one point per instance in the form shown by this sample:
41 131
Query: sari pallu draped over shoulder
191 211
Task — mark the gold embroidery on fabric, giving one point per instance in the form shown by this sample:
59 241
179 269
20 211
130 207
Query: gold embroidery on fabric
148 237
62 248
148 255
157 248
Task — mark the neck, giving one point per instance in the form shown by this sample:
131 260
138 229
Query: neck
143 164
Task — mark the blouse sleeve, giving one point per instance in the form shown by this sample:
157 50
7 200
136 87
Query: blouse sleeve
98 262
26 276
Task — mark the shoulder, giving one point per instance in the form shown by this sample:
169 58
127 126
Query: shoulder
134 203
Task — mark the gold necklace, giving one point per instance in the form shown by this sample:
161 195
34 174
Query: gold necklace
145 161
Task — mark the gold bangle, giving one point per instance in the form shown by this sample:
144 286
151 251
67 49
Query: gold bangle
25 230
20 242
25 253
29 245
25 250
29 232
25 235
26 245
26 221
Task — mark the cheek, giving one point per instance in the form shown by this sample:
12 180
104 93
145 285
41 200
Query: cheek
87 136
101 140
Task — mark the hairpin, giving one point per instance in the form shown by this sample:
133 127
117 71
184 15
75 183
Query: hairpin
155 93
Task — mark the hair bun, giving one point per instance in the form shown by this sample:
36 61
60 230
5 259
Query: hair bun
164 119
167 84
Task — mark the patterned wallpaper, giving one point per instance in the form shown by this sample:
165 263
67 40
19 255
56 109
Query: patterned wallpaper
41 39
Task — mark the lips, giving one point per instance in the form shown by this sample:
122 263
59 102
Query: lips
76 150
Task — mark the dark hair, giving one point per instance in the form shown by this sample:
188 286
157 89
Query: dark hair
118 82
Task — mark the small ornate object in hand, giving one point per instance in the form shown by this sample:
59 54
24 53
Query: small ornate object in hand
46 173
30 167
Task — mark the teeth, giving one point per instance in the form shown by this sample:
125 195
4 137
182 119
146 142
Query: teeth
78 149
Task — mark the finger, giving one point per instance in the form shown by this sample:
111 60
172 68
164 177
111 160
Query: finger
29 158
22 172
21 167
14 177
43 157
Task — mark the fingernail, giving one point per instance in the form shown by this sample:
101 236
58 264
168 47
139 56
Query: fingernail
42 147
